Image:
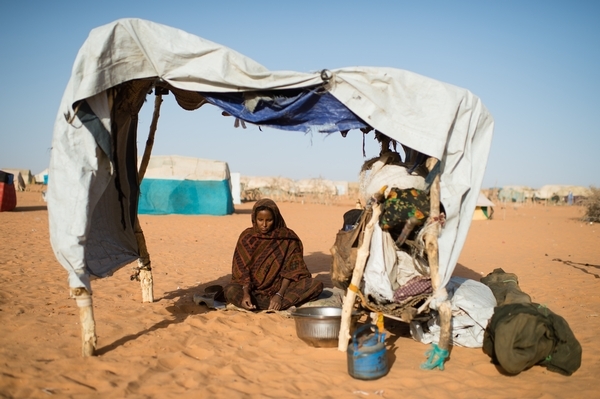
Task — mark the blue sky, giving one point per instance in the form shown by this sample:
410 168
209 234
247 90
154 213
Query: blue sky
534 64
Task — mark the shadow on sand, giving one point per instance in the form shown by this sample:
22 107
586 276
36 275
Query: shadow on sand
318 263
30 208
183 307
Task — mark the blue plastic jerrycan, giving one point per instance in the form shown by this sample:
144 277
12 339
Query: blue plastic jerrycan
367 356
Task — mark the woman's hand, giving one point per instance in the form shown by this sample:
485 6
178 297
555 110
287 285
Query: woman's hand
276 301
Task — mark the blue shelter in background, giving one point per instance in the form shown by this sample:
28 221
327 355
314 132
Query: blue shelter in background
185 186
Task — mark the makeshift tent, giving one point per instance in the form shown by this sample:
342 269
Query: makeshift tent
483 208
515 193
185 186
93 190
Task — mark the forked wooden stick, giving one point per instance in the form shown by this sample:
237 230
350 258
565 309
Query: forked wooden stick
361 260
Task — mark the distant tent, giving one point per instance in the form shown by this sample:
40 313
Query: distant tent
341 187
483 209
42 177
515 193
186 186
560 192
22 178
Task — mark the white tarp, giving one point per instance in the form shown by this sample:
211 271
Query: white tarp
472 307
435 118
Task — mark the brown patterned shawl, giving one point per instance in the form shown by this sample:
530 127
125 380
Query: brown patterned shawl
263 260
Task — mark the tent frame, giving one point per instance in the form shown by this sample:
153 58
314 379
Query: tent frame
93 174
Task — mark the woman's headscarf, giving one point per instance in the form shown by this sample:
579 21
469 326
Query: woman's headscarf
269 204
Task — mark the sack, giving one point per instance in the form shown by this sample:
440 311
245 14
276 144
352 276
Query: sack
344 251
520 335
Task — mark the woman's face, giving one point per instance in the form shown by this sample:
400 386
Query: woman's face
264 221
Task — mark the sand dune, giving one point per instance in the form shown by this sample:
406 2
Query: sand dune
174 348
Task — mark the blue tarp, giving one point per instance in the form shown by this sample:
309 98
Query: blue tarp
185 197
299 110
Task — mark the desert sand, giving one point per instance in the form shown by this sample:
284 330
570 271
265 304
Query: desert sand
173 348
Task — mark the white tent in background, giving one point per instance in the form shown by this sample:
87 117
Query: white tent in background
42 177
484 208
550 191
21 177
341 187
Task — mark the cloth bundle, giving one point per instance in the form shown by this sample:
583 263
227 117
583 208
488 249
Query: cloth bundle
403 204
522 334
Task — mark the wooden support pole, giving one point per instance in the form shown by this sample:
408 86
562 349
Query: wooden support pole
144 263
150 141
432 250
361 260
86 319
431 237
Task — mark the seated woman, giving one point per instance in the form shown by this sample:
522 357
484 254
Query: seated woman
268 269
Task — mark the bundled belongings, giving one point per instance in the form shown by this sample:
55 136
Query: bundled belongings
396 281
344 250
8 196
522 334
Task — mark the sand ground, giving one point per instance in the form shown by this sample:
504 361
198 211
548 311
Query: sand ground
173 348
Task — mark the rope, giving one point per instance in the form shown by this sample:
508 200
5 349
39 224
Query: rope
436 358
380 319
135 276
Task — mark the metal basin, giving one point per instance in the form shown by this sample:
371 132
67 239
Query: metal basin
319 326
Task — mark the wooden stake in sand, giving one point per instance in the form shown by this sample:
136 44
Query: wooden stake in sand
361 260
144 265
86 318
